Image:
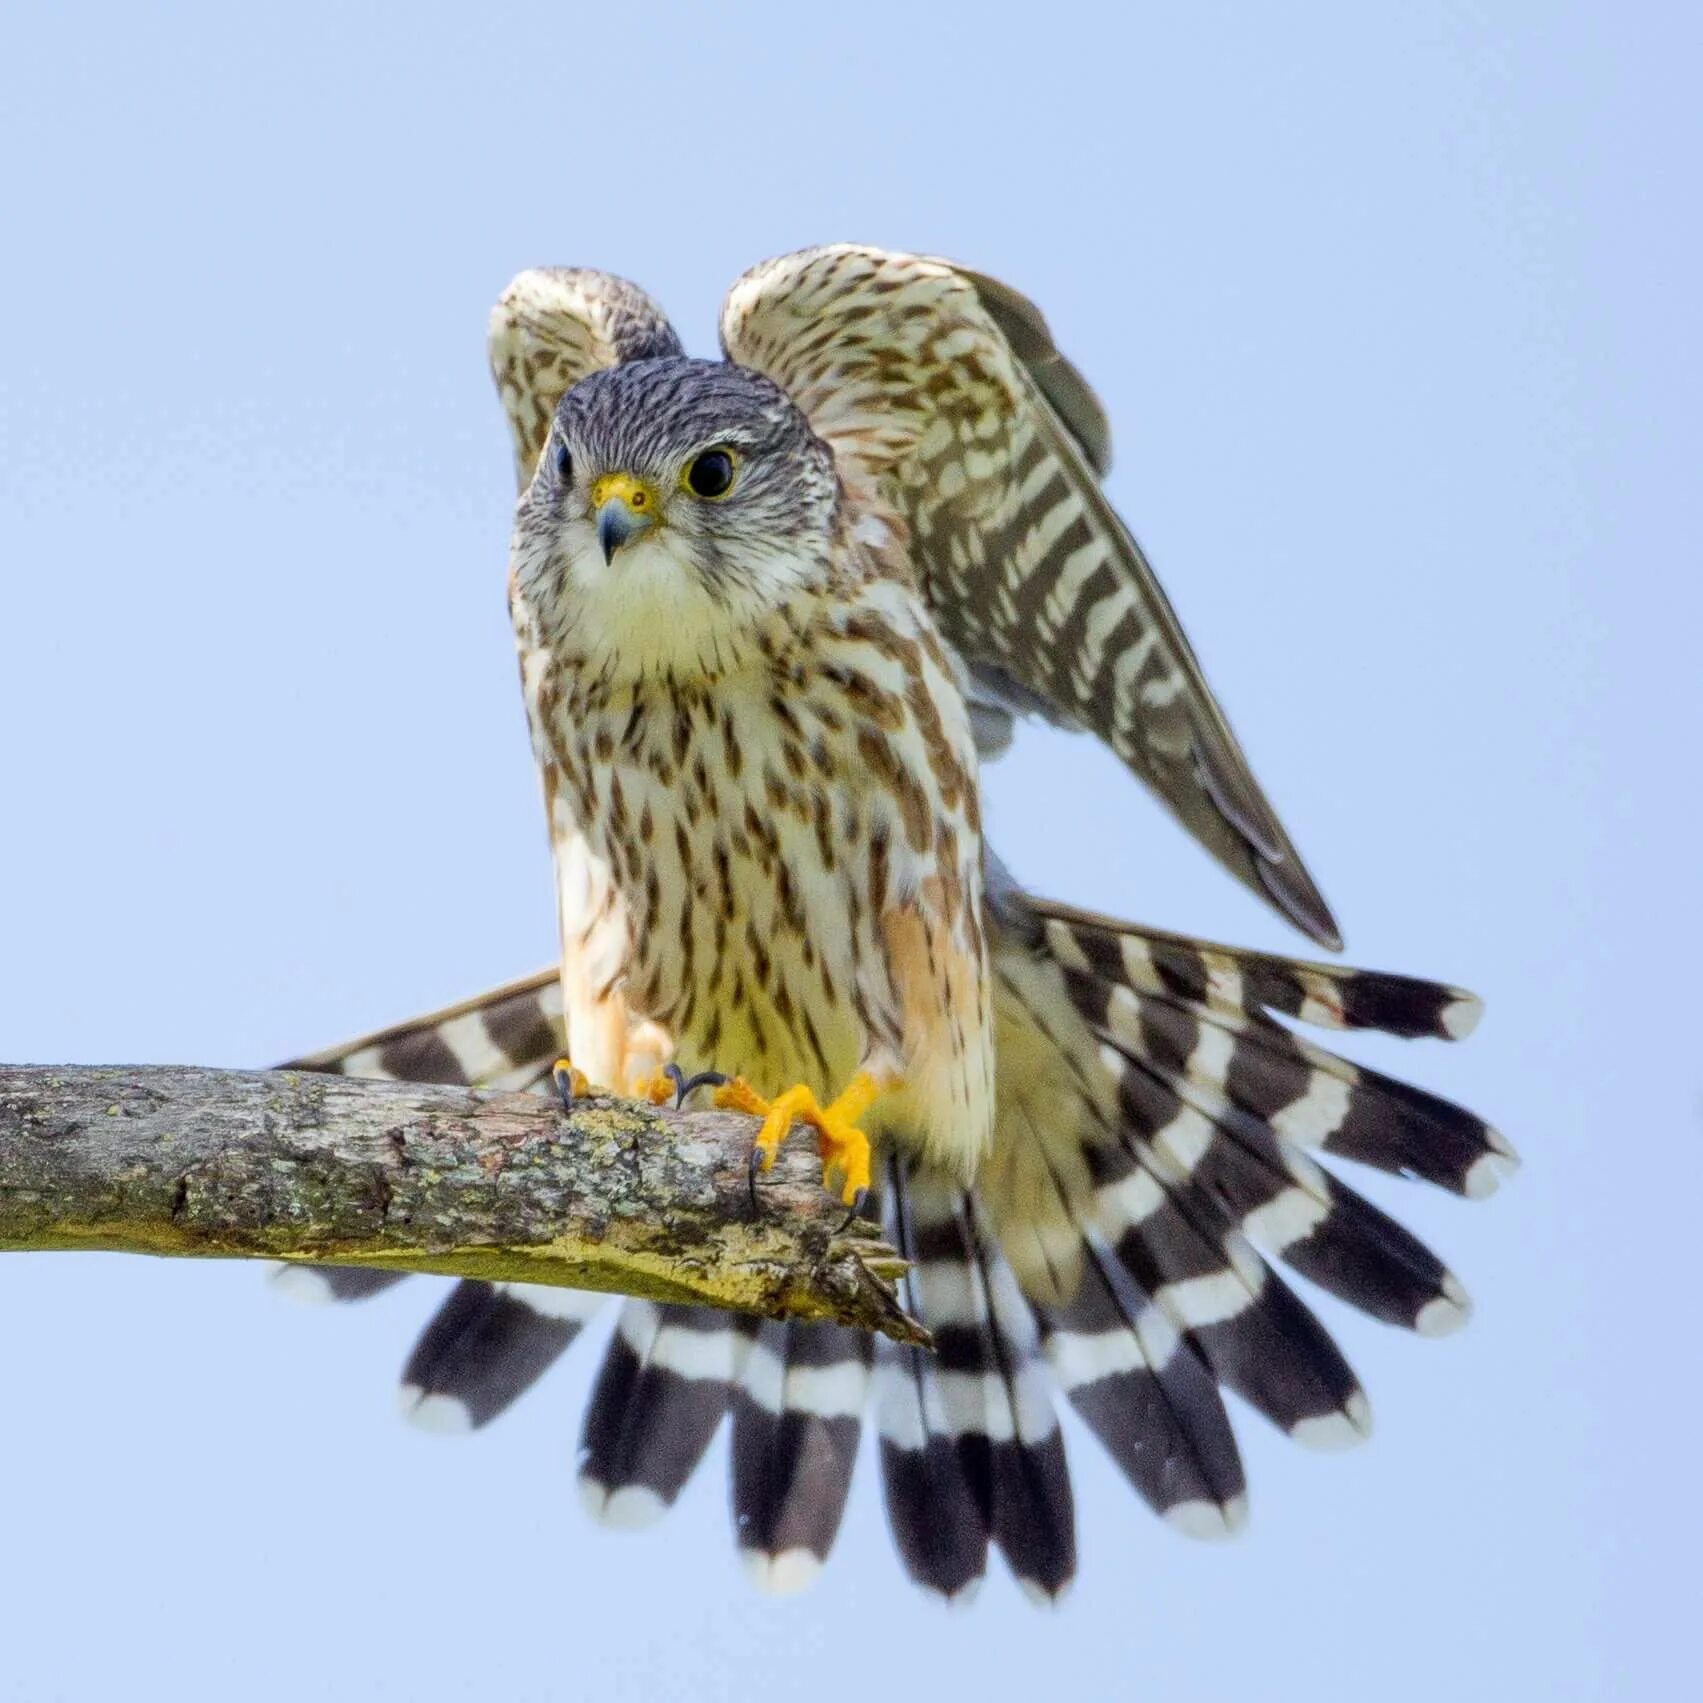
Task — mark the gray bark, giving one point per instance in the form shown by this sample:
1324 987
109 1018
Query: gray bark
294 1165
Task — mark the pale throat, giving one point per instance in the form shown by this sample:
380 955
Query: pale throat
654 613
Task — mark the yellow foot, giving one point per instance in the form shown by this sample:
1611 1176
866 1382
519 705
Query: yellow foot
658 1088
663 1087
572 1083
843 1146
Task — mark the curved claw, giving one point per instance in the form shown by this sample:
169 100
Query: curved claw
859 1201
753 1165
685 1086
569 1082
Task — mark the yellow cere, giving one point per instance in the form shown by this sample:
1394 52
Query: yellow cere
639 496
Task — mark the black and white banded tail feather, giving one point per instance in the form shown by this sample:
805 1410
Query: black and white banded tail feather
797 1418
506 1038
665 1383
485 1347
971 1450
1216 1116
1206 1015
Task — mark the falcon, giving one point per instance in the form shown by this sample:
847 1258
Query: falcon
771 612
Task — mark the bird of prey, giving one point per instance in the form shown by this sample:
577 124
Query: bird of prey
771 612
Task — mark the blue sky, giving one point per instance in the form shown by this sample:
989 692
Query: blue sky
1395 313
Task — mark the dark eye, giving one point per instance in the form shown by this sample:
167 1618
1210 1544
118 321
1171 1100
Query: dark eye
710 474
564 463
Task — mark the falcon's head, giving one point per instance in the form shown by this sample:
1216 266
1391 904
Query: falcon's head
677 504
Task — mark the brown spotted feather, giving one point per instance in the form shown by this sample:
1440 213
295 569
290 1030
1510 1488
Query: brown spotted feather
769 859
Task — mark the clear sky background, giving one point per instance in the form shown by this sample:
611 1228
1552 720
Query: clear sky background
1395 310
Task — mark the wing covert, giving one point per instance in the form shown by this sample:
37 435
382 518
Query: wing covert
942 390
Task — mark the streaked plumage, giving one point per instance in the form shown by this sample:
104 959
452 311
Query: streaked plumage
941 390
758 770
1098 1222
1175 1298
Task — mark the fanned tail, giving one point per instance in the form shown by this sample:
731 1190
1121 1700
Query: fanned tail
1207 1102
1159 1123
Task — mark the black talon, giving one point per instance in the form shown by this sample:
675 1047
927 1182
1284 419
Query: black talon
859 1201
564 1080
685 1085
753 1166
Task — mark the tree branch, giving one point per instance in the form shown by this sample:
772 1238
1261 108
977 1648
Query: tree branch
294 1165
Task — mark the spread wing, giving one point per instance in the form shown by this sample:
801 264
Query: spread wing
942 390
550 328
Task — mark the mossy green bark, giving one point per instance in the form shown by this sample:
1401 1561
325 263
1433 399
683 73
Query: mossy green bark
296 1165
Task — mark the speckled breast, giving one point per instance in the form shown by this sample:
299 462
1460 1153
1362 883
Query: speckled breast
717 847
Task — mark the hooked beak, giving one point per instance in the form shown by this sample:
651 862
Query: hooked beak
624 507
